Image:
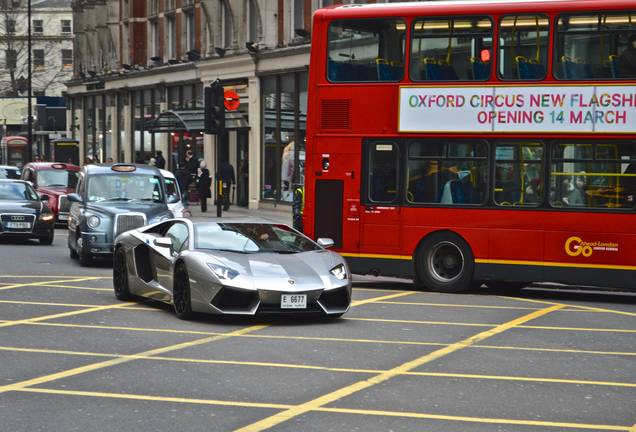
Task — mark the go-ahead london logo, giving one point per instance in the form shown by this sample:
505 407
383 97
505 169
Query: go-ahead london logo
575 246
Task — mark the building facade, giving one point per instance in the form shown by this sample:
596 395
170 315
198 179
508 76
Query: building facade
140 68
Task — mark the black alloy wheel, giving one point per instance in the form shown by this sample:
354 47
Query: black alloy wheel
445 263
120 276
181 293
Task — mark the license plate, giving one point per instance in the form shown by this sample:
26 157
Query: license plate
18 225
293 301
62 217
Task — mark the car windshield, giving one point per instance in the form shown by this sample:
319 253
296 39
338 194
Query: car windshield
9 173
57 177
124 187
251 238
17 191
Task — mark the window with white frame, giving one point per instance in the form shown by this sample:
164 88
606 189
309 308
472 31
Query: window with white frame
171 47
252 21
190 30
226 14
38 27
38 59
67 58
66 26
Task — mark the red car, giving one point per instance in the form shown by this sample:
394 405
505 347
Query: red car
56 180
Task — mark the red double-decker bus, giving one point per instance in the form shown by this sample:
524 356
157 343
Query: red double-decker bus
470 141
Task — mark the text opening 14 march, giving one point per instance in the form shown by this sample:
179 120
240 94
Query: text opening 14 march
518 109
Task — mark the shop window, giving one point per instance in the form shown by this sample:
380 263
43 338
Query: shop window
366 50
453 48
596 46
523 47
452 173
519 174
596 175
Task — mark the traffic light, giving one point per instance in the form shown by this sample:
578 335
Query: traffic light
214 109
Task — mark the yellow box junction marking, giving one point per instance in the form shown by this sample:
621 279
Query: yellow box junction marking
316 367
81 279
406 367
120 360
587 308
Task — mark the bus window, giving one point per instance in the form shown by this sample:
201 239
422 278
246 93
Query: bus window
366 50
523 47
596 46
448 49
382 175
519 174
447 173
597 175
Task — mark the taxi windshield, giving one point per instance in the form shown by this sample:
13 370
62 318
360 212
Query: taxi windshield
10 191
57 177
125 187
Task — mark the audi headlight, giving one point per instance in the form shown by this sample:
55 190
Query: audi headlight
224 273
93 221
46 217
339 271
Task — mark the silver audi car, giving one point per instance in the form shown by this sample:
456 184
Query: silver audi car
231 267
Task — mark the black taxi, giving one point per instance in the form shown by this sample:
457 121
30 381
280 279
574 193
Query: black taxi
110 200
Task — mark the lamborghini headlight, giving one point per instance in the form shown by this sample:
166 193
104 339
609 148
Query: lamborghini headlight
225 273
339 271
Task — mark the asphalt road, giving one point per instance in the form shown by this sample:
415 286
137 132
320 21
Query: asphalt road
72 357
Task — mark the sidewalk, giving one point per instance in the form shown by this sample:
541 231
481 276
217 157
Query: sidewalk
280 213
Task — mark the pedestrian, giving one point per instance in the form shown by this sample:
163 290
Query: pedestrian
183 178
203 185
226 176
160 160
152 162
627 59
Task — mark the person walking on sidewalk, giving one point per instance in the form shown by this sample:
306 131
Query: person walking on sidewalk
203 185
226 175
161 161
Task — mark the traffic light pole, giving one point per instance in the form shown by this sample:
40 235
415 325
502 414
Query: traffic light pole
214 124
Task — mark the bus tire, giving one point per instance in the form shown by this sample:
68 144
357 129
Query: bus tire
444 263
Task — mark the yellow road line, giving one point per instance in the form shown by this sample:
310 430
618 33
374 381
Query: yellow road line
64 314
213 402
330 339
137 308
319 368
116 361
463 324
319 402
596 427
50 276
387 289
380 299
457 305
155 398
587 308
75 287
8 287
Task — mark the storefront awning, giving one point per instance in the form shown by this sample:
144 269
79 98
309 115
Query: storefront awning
192 120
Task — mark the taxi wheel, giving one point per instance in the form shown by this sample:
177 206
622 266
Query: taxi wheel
85 258
181 293
120 276
445 263
46 240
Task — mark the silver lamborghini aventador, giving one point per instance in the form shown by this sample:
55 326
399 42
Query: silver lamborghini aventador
231 267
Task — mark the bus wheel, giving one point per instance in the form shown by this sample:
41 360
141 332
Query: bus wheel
444 262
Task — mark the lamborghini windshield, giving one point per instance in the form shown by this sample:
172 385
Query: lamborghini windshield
251 238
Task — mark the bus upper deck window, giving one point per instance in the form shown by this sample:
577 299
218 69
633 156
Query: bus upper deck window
451 48
366 50
523 47
596 46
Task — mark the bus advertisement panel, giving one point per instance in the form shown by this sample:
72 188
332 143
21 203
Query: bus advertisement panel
466 142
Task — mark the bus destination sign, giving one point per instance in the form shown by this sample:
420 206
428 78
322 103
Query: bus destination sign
561 109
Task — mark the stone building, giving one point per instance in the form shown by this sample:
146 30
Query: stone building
140 68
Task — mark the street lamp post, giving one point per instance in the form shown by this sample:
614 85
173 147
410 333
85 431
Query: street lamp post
29 90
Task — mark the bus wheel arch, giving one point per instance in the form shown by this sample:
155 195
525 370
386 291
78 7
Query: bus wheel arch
444 261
